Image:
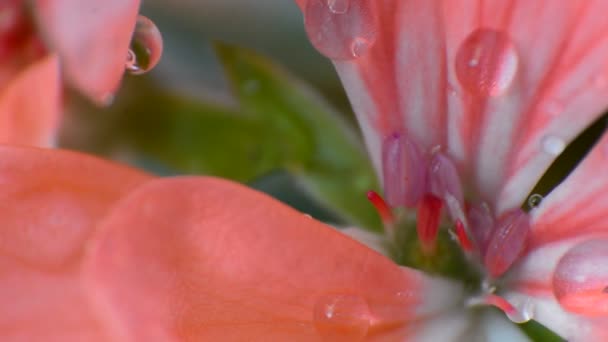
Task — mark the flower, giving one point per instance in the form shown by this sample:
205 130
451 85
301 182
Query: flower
108 253
464 105
38 37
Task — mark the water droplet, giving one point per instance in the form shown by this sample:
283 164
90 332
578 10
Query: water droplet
359 46
342 317
552 145
340 29
486 62
146 47
338 6
534 200
580 278
522 313
403 171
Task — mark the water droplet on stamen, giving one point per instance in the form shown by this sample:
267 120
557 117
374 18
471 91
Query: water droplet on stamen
580 278
338 6
340 29
486 62
146 47
534 200
552 145
342 317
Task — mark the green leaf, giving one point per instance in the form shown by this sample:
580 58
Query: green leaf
333 165
276 123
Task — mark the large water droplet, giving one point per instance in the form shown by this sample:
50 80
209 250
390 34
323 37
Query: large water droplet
403 170
486 62
342 317
552 145
340 29
581 277
146 47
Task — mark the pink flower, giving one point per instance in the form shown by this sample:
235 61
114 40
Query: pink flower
89 40
93 251
463 105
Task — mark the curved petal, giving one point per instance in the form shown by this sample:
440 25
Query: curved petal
23 120
497 83
579 205
529 284
92 38
575 211
206 259
49 204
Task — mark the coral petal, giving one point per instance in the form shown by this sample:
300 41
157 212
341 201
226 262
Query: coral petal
206 259
92 38
50 202
30 105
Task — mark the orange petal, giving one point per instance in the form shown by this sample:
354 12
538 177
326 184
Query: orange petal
209 260
30 105
92 39
50 202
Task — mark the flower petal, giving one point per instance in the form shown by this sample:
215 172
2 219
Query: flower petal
50 202
577 207
92 39
207 259
23 120
539 84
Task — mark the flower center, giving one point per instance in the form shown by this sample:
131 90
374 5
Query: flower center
450 235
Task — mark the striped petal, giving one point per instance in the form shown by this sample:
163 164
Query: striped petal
206 259
498 84
564 271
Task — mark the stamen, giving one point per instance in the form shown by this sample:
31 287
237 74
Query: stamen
462 236
427 225
403 170
507 242
515 315
386 215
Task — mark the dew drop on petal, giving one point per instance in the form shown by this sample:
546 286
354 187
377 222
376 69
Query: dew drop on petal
534 200
338 6
403 171
342 317
146 47
486 62
507 242
552 145
581 277
340 29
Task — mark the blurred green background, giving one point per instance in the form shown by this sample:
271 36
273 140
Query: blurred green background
239 93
